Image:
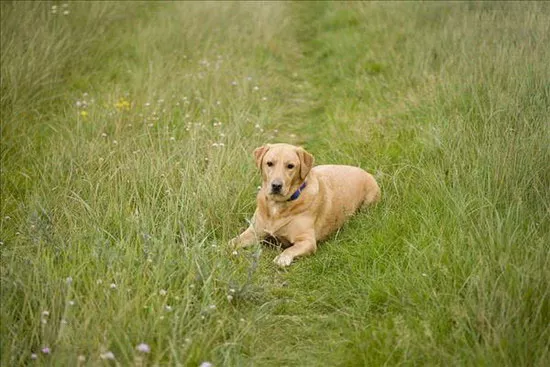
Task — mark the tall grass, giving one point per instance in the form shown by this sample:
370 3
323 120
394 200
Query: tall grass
126 137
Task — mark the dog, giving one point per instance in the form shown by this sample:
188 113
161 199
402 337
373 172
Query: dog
299 204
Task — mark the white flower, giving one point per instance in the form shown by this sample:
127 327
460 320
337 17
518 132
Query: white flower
99 281
113 286
229 297
234 82
71 303
143 348
212 307
69 280
66 12
78 103
45 313
256 87
108 355
172 138
104 135
235 253
82 358
34 356
168 308
163 292
206 364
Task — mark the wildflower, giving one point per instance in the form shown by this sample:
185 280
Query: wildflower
163 292
256 87
424 274
108 355
84 114
122 104
69 280
45 313
104 135
113 286
34 356
147 104
206 364
234 83
66 12
46 350
143 348
231 290
115 142
82 358
229 297
212 307
264 98
235 253
172 138
78 103
168 308
71 303
242 320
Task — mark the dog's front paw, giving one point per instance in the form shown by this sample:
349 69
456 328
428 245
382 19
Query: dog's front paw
283 259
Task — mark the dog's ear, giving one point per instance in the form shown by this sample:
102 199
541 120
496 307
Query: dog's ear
306 162
259 154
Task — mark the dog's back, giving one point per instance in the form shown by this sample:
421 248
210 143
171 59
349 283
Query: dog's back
342 190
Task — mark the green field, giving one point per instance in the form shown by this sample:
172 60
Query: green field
127 132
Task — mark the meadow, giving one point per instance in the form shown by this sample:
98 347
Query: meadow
127 131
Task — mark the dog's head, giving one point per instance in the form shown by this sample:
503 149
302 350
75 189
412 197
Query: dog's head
284 168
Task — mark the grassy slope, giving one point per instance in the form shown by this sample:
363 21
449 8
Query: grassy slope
447 103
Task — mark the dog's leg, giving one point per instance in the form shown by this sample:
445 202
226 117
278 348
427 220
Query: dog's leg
302 247
245 239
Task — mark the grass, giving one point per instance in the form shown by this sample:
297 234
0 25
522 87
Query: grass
127 131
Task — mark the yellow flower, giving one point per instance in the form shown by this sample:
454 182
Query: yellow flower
122 105
84 114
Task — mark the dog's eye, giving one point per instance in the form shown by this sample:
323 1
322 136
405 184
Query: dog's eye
269 164
290 166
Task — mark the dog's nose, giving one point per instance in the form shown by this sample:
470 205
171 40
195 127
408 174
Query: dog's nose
276 186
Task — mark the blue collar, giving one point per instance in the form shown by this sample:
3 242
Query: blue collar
297 193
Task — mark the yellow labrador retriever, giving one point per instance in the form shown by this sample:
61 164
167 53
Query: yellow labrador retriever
299 204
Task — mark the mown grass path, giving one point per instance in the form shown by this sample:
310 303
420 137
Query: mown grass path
127 134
